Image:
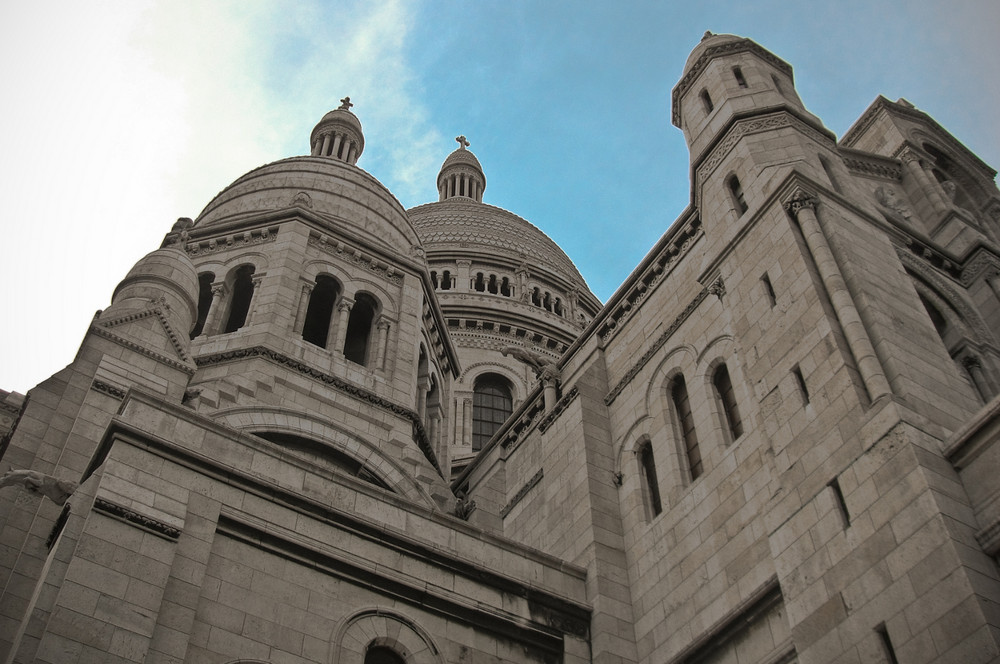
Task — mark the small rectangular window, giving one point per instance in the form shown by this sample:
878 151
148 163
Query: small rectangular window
801 383
707 100
890 652
841 503
769 290
738 75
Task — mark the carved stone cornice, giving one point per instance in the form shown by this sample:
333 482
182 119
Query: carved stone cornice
339 384
654 274
558 409
136 519
982 261
521 493
655 346
727 48
524 424
872 165
354 256
107 388
157 311
235 241
746 126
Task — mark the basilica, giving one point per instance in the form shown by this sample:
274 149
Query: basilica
316 427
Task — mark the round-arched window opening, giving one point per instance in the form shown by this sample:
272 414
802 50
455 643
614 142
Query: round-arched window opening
383 655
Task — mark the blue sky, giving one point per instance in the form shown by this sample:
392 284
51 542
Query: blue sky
121 116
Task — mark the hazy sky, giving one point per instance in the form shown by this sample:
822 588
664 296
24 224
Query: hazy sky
119 117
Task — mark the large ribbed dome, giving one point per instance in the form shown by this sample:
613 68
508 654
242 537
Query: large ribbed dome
345 195
461 223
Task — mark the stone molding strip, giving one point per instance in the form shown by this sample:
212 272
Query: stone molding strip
419 433
865 163
355 256
132 517
763 599
989 538
128 343
107 388
234 241
664 264
521 493
752 125
656 345
554 617
524 423
558 409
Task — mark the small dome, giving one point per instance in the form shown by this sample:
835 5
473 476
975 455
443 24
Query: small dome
461 174
338 135
344 195
165 275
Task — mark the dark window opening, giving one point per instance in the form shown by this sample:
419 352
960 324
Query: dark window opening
319 314
359 329
769 290
205 280
738 75
736 192
434 279
557 307
707 101
651 489
493 286
505 287
446 280
727 398
801 382
480 284
492 404
239 304
883 636
536 297
685 422
382 655
838 495
547 301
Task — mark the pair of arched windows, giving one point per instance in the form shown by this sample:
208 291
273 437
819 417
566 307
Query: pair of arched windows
318 327
236 294
687 435
492 404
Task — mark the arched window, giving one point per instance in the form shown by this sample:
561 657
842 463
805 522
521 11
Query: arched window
205 280
359 329
382 655
316 328
706 99
239 303
492 404
650 486
446 280
736 193
480 283
727 400
685 424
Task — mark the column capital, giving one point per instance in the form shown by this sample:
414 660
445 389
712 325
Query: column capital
971 362
345 304
800 200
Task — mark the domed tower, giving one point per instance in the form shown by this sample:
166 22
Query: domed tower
316 315
503 285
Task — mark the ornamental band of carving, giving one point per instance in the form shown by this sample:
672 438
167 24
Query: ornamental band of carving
521 493
139 520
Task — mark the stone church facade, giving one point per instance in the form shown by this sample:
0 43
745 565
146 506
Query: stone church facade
315 426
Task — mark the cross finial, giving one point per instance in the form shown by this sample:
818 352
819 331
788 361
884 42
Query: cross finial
345 104
463 142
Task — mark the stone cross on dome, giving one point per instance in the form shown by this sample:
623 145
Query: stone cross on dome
463 142
345 104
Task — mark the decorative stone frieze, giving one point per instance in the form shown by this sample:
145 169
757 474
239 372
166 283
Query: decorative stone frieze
250 237
136 519
354 256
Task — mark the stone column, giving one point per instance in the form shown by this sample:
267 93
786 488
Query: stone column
339 331
214 309
326 145
351 158
335 152
383 339
803 208
928 183
466 422
300 313
256 280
